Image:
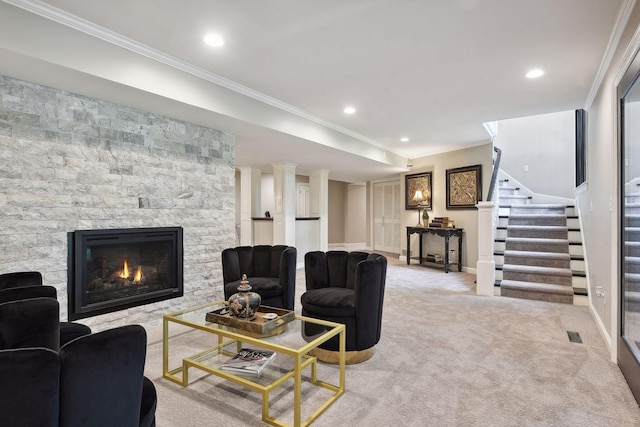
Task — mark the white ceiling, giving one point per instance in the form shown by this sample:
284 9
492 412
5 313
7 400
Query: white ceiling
431 70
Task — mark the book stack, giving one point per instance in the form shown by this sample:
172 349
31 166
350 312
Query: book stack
442 222
434 258
438 221
249 361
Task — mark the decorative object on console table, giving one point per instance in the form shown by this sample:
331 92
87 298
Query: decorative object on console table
464 187
419 198
249 361
244 303
417 182
439 222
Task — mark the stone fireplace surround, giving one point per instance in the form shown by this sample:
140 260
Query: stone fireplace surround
70 162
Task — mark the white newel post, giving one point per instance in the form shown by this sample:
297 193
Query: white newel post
486 266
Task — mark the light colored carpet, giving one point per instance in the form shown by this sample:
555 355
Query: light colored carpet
446 358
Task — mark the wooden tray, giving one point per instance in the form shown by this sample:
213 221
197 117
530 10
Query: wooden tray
259 325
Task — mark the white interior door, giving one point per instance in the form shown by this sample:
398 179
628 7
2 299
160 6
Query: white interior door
303 202
386 216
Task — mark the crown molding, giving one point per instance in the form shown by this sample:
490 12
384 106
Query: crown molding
614 40
57 15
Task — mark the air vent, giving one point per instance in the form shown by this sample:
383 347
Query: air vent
574 337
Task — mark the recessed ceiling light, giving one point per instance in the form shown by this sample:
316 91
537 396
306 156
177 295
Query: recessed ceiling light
404 139
349 110
214 40
534 74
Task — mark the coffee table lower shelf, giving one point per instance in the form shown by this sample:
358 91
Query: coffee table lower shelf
210 359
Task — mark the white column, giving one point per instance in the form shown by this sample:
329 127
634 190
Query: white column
284 191
486 266
249 202
319 188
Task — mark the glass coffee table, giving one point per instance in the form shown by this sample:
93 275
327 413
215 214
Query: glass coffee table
292 357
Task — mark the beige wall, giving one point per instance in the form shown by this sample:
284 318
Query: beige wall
356 226
597 199
464 218
337 212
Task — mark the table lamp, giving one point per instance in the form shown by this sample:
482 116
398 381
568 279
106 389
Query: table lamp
419 199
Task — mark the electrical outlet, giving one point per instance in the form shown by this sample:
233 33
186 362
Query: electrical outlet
600 292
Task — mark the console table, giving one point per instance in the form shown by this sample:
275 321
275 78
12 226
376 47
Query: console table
442 232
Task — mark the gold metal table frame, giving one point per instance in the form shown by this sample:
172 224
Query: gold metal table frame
195 318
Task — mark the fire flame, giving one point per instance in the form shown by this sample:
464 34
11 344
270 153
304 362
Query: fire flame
125 271
137 278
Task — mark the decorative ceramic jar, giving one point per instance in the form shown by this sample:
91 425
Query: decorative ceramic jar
244 303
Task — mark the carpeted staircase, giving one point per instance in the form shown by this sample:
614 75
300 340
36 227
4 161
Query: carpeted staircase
537 263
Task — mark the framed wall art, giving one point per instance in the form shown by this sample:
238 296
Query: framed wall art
414 183
464 187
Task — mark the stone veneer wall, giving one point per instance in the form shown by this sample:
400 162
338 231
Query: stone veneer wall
70 162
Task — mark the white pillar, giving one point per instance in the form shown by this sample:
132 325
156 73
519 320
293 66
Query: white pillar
249 202
284 191
319 188
486 266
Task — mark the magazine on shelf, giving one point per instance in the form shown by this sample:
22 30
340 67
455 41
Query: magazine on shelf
249 361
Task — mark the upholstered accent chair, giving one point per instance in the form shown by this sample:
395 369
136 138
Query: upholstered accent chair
270 270
348 288
26 285
95 380
102 381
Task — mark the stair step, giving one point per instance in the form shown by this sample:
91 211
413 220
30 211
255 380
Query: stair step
505 190
537 219
632 301
574 273
632 249
515 199
542 209
536 244
538 231
632 220
540 259
526 273
537 291
632 264
576 291
632 282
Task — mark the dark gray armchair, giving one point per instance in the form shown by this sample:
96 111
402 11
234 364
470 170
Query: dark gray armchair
102 381
270 270
95 380
348 288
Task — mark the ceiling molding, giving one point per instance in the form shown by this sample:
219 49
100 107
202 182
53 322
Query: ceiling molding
614 40
57 15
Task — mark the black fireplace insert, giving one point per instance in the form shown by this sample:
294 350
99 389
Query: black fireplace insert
114 269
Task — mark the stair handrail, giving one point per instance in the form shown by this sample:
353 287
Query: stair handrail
494 175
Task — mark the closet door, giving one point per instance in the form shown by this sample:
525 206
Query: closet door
386 217
628 341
